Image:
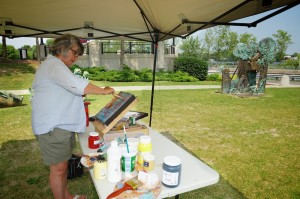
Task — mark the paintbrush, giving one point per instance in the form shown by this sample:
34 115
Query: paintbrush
131 184
117 96
126 141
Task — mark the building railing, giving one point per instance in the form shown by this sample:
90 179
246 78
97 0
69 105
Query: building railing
114 47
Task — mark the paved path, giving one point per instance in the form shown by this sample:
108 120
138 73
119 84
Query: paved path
274 84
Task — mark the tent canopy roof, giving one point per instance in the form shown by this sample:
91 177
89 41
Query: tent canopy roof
147 20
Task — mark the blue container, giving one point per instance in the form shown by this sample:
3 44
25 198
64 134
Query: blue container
171 171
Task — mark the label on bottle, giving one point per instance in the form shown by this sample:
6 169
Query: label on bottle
114 172
96 142
169 178
100 170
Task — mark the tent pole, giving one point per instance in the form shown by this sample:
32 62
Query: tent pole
153 77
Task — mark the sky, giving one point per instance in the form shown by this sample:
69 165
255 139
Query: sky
287 21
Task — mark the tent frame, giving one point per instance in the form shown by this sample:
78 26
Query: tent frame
155 34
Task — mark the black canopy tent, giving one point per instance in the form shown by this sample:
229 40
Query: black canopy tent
144 20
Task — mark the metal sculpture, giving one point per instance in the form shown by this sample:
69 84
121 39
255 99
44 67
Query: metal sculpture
8 99
254 58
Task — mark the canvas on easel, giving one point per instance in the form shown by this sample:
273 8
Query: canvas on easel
108 116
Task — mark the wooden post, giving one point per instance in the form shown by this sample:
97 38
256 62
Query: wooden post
226 81
4 47
38 55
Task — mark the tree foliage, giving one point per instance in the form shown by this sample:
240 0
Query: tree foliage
219 43
49 42
221 39
12 53
191 47
246 38
283 40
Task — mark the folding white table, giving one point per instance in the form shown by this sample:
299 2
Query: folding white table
194 173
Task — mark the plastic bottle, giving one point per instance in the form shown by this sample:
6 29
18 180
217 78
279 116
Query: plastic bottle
114 154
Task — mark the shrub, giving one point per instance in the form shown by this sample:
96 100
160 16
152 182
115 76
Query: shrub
193 66
129 75
125 76
145 74
180 76
177 76
214 77
163 76
293 63
12 53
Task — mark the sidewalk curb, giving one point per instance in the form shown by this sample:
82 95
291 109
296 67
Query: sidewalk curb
184 87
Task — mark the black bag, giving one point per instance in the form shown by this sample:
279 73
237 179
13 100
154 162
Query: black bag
75 168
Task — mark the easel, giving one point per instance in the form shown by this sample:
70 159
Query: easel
105 128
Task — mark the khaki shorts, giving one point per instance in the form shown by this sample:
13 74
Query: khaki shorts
56 145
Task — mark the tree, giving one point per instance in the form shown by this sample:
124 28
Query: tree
246 38
49 42
283 40
208 42
12 53
232 41
3 51
221 38
191 47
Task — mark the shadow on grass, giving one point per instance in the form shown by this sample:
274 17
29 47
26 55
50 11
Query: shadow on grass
23 174
1 106
222 189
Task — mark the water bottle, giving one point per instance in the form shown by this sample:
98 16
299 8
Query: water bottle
114 154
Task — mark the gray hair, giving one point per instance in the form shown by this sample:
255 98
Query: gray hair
62 45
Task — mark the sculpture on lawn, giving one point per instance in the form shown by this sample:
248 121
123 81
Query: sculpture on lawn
254 58
8 99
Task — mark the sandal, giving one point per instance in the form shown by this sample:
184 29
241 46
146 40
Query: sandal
78 196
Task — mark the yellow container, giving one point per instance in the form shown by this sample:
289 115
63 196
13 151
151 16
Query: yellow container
145 144
100 170
140 158
148 163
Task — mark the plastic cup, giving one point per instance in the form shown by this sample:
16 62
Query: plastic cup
128 160
133 143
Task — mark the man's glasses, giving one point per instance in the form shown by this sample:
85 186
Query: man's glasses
74 52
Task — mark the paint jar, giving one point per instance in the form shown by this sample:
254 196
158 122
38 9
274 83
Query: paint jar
140 157
171 171
145 144
94 140
144 147
148 163
131 121
100 168
128 160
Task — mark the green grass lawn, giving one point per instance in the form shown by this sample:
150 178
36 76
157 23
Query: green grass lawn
16 76
253 142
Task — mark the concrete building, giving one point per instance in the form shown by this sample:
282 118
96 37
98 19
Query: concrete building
94 57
